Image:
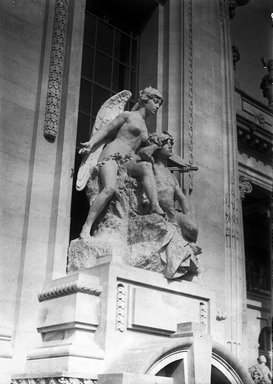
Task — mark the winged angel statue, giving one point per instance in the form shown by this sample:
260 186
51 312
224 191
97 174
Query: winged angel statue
120 162
117 135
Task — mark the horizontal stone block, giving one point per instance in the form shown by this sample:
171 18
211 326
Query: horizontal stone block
155 311
73 310
132 378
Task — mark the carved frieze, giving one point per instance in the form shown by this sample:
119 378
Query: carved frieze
54 380
67 289
56 67
254 139
188 97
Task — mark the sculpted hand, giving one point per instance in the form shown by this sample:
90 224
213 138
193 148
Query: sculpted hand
188 168
196 250
87 146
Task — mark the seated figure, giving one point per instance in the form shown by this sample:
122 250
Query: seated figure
159 151
120 162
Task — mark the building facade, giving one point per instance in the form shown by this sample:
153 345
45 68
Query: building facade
60 60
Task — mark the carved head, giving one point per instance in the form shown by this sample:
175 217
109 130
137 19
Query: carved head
149 93
160 139
262 359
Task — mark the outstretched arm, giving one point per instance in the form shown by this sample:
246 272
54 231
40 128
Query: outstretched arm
103 132
181 198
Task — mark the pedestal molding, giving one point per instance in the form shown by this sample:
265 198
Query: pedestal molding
69 288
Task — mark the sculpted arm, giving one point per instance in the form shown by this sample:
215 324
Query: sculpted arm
146 153
103 132
181 198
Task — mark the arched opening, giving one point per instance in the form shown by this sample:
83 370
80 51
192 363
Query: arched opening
175 365
265 344
186 359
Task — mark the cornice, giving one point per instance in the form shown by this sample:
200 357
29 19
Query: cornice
254 140
254 102
68 289
53 380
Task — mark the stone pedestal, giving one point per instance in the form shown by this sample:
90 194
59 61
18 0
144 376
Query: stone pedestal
68 319
89 318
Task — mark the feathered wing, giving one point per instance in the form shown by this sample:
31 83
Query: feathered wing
108 112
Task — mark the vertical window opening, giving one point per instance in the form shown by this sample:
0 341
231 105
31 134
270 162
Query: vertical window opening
109 65
257 215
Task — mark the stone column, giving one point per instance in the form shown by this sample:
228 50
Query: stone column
175 79
234 249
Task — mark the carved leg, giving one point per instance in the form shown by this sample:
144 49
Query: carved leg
144 171
108 174
188 227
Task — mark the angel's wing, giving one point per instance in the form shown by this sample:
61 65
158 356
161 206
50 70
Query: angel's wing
108 112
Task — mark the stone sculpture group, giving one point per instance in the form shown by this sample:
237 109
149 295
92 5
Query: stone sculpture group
132 194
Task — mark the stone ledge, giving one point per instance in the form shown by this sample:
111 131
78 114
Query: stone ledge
70 288
52 379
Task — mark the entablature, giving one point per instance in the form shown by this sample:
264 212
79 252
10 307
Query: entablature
254 127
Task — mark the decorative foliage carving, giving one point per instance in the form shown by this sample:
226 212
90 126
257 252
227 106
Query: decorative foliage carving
190 93
67 289
121 308
244 186
54 380
54 88
231 216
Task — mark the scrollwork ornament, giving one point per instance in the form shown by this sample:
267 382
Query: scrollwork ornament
121 308
203 313
54 89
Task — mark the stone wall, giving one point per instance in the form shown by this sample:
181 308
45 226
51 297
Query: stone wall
34 170
23 262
